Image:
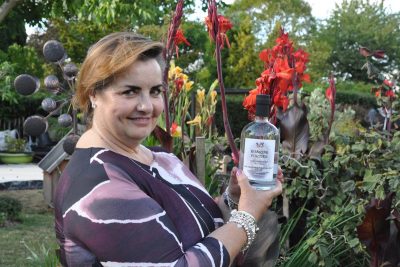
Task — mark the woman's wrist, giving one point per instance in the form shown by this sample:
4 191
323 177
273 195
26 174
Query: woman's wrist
229 201
247 222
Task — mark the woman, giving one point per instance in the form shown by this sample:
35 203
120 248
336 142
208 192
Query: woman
119 203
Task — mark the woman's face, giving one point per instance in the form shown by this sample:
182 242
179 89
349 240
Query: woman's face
127 110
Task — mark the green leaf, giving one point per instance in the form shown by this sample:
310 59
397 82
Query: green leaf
353 242
313 258
348 186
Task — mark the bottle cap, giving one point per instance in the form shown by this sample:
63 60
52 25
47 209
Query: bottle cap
262 105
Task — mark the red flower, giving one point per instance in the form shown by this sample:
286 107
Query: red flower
265 55
210 121
390 94
179 39
330 93
249 102
281 101
283 70
388 83
224 25
174 127
179 84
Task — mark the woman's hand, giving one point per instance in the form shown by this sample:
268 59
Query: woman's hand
255 202
234 188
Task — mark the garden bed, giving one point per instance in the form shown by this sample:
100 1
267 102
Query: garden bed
30 242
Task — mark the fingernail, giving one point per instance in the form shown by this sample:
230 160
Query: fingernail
239 172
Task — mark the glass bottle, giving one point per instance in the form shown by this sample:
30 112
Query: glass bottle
259 148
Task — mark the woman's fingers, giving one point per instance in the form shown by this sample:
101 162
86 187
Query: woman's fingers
278 188
280 175
233 179
234 189
242 179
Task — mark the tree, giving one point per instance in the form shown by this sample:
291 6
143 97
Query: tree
353 24
244 65
96 13
294 15
257 24
6 7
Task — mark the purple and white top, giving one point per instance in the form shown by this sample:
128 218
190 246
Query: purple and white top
113 211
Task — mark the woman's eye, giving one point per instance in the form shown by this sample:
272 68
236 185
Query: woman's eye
156 91
130 92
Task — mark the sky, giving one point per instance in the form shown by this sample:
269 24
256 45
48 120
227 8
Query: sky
321 9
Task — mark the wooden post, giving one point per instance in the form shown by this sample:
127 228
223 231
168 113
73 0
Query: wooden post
201 158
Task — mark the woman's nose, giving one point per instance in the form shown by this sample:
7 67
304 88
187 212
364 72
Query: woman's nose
145 104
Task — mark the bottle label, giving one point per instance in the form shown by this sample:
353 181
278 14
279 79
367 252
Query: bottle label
258 161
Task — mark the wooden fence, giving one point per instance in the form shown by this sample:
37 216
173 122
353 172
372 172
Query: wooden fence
13 123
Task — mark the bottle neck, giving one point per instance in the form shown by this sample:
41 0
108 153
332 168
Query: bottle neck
261 119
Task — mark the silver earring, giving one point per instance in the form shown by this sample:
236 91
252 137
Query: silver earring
94 105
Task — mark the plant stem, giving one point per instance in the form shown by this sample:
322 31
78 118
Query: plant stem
165 94
167 54
228 131
332 117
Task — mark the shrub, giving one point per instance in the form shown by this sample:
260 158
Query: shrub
10 208
343 86
236 113
355 98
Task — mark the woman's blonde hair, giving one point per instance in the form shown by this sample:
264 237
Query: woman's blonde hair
110 56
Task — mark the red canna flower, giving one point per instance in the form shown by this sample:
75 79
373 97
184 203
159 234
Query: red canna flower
176 130
281 101
179 39
388 83
224 25
284 71
209 121
330 94
390 94
250 100
179 84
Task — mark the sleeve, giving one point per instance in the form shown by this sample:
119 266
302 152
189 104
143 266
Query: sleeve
122 226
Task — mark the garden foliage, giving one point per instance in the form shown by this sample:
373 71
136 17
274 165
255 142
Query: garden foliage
10 209
356 166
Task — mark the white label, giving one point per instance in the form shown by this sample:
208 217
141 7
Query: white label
258 161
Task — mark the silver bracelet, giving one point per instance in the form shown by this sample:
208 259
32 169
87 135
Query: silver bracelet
229 201
246 221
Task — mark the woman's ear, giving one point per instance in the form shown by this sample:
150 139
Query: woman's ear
93 101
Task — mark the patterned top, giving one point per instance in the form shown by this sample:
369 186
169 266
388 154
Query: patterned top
114 211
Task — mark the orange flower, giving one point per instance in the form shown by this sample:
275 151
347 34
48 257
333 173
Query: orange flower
224 25
249 102
179 84
283 71
179 39
176 130
388 83
390 93
281 101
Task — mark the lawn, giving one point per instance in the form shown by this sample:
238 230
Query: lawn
31 242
